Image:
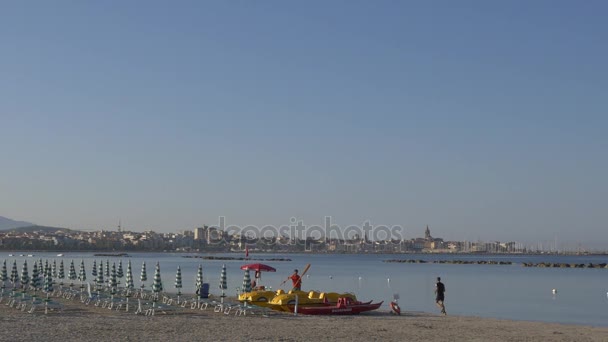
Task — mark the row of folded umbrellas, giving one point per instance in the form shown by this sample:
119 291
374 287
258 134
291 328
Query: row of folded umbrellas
43 274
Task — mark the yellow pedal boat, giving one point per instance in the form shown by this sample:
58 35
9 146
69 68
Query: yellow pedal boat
259 297
286 301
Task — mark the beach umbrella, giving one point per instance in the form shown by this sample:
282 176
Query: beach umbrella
144 276
258 268
48 288
223 283
129 276
128 283
99 279
61 273
14 274
112 281
48 281
119 271
35 282
94 270
246 281
3 275
82 274
157 286
199 282
25 277
72 273
54 269
178 282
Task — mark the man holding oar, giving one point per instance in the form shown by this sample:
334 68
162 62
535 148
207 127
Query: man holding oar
296 279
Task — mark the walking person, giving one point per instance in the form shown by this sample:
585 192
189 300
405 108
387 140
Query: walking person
440 295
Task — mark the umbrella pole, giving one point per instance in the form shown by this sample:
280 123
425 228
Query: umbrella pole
46 304
295 309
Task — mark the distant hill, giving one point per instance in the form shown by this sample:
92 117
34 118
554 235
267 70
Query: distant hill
6 223
34 228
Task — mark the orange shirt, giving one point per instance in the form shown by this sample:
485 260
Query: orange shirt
296 280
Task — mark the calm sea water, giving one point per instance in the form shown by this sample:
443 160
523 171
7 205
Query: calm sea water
499 291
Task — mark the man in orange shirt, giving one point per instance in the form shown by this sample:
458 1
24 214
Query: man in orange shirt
296 280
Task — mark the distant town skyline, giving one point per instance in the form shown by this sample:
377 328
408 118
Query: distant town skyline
483 120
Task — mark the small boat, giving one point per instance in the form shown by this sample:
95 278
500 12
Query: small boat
10 255
345 306
30 255
259 296
60 254
285 301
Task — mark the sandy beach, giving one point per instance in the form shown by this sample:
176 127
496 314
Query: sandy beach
78 322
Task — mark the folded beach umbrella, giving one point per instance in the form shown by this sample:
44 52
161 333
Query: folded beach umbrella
144 276
94 270
4 274
129 276
82 274
48 288
25 276
246 281
112 283
14 274
72 273
119 272
99 279
61 273
107 274
199 282
40 269
48 282
223 282
54 269
35 281
128 283
157 286
178 282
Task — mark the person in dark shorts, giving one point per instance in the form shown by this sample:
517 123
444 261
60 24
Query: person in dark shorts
440 295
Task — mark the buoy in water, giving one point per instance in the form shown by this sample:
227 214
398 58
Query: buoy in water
331 277
554 291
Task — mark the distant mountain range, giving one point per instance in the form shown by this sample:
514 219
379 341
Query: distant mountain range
45 229
27 227
6 223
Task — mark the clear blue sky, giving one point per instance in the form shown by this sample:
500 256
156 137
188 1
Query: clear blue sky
483 119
